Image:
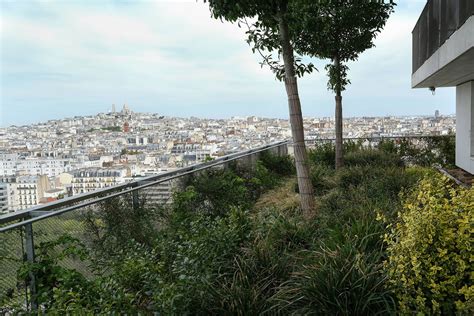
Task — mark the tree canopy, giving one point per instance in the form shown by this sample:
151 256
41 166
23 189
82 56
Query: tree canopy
264 32
345 29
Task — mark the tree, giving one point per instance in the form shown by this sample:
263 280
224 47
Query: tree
346 28
271 33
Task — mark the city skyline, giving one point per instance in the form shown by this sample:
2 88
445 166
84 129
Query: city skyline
65 59
119 109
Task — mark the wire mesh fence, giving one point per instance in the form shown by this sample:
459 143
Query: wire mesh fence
13 292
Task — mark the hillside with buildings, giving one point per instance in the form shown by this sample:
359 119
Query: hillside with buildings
42 162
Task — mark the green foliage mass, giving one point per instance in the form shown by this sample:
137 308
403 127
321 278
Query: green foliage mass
429 151
264 33
214 252
430 260
117 224
338 30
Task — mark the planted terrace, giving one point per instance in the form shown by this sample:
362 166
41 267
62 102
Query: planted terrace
233 239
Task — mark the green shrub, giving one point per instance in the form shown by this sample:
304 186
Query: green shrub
430 249
116 223
266 261
280 165
423 151
48 273
63 290
388 146
323 154
194 254
213 192
372 157
217 191
263 179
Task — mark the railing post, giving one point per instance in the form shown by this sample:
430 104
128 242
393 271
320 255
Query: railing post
135 199
30 257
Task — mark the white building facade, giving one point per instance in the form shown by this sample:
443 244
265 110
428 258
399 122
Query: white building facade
12 164
91 179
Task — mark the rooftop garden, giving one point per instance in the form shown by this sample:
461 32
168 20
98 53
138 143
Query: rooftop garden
389 234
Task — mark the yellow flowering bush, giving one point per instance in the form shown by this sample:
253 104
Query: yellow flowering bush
430 249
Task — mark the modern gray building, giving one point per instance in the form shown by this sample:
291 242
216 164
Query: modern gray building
443 56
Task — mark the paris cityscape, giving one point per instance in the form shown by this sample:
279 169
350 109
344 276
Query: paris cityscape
43 162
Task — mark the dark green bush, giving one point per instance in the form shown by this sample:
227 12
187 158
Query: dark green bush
323 154
193 256
117 223
280 165
424 151
63 290
372 157
213 192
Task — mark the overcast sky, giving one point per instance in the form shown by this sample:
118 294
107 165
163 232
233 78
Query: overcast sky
71 57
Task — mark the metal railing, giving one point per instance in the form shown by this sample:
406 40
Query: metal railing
21 232
437 22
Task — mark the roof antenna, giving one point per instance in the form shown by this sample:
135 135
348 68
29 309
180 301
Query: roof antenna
433 90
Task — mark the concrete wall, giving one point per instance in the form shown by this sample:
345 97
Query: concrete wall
452 63
465 126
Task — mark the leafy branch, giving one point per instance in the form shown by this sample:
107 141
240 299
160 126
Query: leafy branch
264 40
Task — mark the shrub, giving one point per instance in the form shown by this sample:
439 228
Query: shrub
266 261
62 290
426 151
194 254
263 179
212 192
280 165
372 157
49 275
430 249
323 154
116 223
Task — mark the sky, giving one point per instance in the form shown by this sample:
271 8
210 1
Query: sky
70 57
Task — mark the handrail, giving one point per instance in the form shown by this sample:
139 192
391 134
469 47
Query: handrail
125 188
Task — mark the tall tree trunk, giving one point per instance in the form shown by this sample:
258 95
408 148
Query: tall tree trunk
296 121
338 114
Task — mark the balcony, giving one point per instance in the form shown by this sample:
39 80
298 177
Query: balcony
439 56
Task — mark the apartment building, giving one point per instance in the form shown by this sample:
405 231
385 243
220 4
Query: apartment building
13 164
4 188
91 179
29 190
